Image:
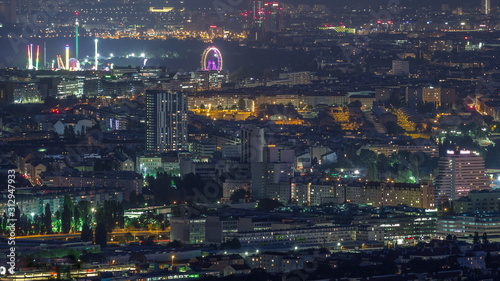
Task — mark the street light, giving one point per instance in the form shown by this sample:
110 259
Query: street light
173 261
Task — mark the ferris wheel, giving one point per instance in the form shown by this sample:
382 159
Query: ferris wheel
211 59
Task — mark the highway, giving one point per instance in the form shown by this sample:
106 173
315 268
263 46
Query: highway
159 234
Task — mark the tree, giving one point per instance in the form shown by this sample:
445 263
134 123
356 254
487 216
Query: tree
258 274
240 194
355 103
66 133
242 104
128 236
202 106
57 222
84 212
69 132
405 176
266 204
373 174
111 215
485 238
67 214
449 237
47 219
101 235
427 107
76 219
66 220
174 244
488 260
314 161
476 239
17 217
164 188
86 234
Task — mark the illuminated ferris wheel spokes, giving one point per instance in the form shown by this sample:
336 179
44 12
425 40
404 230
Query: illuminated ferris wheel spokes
213 62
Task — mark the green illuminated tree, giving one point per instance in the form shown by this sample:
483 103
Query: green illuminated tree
4 221
76 220
57 221
85 212
405 176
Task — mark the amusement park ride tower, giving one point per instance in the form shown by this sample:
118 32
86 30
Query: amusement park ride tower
211 74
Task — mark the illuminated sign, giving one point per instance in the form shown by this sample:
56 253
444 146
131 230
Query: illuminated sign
160 10
183 276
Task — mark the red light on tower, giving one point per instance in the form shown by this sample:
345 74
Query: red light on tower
466 37
77 13
379 21
389 21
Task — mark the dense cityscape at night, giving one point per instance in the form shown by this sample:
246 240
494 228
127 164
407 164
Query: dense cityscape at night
249 140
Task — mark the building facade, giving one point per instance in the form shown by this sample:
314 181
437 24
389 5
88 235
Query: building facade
459 172
166 121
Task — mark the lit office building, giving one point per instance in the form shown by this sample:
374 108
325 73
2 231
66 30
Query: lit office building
459 172
485 7
166 121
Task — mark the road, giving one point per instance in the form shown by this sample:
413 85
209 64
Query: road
165 235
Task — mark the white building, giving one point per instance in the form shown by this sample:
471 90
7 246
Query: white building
460 172
78 126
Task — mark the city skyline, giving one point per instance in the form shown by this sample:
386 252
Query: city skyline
249 140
